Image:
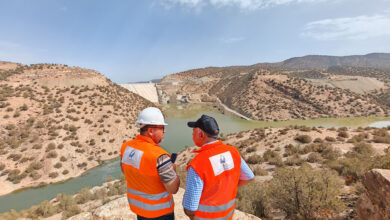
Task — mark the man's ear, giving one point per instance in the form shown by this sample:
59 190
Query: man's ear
201 134
149 131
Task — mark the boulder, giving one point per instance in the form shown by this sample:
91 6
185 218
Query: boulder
375 202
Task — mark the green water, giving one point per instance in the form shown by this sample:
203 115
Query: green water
178 135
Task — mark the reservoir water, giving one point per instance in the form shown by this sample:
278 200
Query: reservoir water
178 136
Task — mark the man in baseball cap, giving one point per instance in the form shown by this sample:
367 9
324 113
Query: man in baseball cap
214 174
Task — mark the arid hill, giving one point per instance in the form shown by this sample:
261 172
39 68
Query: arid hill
58 121
275 94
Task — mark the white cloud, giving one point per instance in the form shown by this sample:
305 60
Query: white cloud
355 28
243 4
232 40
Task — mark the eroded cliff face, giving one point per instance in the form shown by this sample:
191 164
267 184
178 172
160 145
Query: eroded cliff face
119 209
375 202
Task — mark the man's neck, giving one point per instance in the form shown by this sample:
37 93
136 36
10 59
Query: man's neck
210 142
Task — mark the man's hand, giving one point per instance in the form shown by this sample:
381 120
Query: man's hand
173 186
189 213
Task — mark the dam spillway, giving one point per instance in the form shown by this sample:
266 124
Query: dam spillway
146 90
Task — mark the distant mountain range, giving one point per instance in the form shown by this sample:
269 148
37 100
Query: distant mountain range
375 60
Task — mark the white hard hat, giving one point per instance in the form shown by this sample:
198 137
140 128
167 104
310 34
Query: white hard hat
151 116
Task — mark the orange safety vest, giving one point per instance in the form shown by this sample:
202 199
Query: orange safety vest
218 165
146 193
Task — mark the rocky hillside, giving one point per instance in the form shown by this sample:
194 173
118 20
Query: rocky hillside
58 121
271 94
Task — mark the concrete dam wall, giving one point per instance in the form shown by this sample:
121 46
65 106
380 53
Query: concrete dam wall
146 90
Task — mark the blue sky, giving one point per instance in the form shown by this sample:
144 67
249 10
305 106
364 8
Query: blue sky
136 40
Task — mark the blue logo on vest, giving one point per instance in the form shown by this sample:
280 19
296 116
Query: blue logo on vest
222 159
132 153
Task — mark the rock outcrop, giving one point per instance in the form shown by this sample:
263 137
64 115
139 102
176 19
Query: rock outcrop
375 202
119 209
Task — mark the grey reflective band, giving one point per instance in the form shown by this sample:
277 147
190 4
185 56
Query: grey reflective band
220 208
148 196
150 207
222 218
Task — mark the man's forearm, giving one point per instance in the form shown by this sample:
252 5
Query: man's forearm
243 182
189 213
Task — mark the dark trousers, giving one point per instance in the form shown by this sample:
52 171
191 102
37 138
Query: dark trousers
170 216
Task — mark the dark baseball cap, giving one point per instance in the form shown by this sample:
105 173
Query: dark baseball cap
207 123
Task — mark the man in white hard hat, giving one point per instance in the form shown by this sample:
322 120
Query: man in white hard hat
150 175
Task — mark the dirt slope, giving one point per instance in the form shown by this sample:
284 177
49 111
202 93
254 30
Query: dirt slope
58 121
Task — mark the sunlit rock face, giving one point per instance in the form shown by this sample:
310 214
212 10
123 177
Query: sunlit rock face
375 202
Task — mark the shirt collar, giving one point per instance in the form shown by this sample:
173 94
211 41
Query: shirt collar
208 146
144 138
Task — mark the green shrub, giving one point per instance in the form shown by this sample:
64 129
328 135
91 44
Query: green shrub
45 209
331 153
65 172
50 147
39 124
24 107
254 159
52 154
258 171
343 134
37 146
305 193
63 159
35 166
53 175
35 175
303 139
268 154
251 149
58 165
252 198
276 160
68 205
83 196
294 160
330 139
358 138
16 114
290 149
314 157
381 136
2 166
14 157
363 148
318 140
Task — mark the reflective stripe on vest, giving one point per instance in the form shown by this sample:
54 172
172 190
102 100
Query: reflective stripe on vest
148 196
220 208
222 218
150 207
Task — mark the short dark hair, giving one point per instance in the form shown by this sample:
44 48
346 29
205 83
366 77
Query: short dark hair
144 129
